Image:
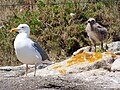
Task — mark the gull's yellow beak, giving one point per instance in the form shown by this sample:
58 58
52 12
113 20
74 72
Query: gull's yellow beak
14 30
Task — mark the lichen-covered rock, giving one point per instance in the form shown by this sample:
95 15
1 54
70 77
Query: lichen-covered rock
81 62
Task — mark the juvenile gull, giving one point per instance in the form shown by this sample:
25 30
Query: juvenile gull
96 32
27 51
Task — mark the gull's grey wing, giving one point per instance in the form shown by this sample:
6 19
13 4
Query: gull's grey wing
102 31
41 51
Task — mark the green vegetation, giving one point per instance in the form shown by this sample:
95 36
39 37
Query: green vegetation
59 33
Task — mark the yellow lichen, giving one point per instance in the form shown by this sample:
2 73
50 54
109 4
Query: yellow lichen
88 56
56 67
91 60
71 62
112 54
62 71
81 60
96 56
81 57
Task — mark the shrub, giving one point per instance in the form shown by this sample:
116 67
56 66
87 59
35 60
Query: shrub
55 29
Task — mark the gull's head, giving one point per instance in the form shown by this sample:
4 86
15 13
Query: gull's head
91 21
22 28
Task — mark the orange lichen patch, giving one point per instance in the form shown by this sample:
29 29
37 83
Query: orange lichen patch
92 60
56 67
78 58
112 54
96 56
82 57
87 55
62 71
81 60
71 62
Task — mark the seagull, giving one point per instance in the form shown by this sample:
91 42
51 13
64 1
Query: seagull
27 51
96 32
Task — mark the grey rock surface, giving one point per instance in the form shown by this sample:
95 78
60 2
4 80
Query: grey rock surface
14 71
114 46
97 79
111 47
116 65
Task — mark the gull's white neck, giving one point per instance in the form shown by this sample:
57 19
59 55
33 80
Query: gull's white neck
20 37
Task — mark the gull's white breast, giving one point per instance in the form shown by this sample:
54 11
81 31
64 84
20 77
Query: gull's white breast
25 52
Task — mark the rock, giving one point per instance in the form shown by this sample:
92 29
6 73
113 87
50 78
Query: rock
117 52
73 66
14 71
114 46
116 65
82 71
85 49
98 79
41 66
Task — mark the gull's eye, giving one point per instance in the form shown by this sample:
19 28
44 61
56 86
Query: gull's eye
22 27
92 20
88 21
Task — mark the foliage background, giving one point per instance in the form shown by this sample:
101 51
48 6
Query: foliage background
52 25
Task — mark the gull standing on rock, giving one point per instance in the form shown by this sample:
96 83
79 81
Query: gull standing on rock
27 51
96 32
